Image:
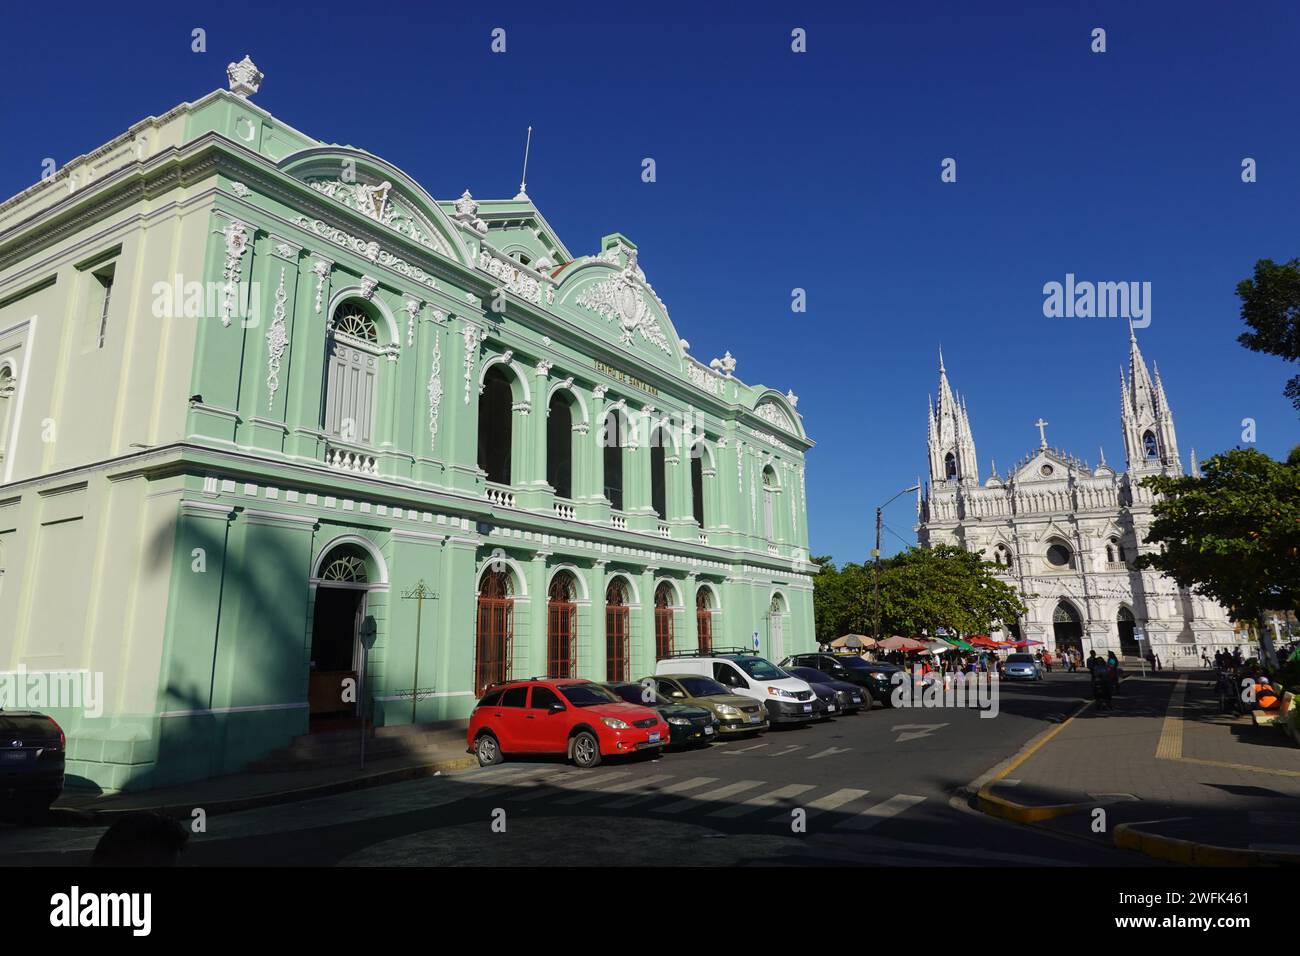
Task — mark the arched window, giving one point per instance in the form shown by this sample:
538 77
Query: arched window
697 485
950 465
704 619
1002 556
612 440
1059 555
559 445
562 626
663 621
658 474
769 492
351 374
495 629
776 628
495 425
617 631
7 389
1150 447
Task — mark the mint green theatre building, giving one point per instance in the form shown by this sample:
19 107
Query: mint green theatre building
286 443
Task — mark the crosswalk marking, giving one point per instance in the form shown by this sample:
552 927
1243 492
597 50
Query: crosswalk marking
832 801
679 787
878 814
709 796
766 800
604 791
516 782
576 781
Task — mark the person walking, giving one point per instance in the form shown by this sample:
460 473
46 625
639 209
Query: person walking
1112 669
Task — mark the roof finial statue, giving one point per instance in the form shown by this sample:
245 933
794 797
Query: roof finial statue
1042 432
523 179
1103 456
244 77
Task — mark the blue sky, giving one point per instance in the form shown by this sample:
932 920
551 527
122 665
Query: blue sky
818 171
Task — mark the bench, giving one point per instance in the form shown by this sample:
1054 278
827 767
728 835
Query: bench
1265 718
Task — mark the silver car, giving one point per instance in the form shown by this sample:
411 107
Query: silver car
1022 667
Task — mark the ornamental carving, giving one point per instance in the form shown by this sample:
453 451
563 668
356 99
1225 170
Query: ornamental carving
513 277
244 77
467 213
237 239
703 378
277 337
435 391
621 299
321 270
369 249
772 413
473 337
375 203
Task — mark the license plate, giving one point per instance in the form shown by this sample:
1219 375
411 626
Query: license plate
13 756
755 719
857 700
830 708
654 738
807 708
708 730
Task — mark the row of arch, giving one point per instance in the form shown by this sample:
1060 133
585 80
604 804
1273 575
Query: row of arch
1060 554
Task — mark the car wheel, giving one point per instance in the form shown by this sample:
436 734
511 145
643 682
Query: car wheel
585 750
487 750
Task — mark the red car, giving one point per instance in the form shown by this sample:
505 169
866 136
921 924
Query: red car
576 718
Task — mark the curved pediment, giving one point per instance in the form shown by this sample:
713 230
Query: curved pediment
610 293
379 191
776 409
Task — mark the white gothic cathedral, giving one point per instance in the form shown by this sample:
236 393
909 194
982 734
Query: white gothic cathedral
1066 534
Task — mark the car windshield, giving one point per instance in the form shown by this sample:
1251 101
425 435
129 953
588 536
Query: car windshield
701 686
853 663
587 695
1020 659
632 693
759 669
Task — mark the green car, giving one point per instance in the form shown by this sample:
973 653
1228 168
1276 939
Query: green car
687 724
735 714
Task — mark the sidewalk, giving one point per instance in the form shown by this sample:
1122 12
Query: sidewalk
430 751
1176 779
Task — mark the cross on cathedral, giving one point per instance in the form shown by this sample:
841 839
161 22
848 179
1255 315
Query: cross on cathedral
1042 431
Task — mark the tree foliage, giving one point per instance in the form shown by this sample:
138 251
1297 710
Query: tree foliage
1233 534
921 590
1270 305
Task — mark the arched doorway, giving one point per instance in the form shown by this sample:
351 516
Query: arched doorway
1127 626
495 425
351 374
1067 627
776 627
559 445
562 626
612 451
617 631
495 628
704 619
663 621
341 582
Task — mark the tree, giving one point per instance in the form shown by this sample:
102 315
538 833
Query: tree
1233 534
1270 305
920 590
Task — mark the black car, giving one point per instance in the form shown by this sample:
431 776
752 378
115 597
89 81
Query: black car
849 697
686 724
32 750
877 678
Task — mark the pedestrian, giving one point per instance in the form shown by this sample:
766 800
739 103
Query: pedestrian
1205 661
1112 668
1156 658
1047 661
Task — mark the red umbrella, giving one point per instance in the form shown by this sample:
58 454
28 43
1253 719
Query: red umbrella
982 640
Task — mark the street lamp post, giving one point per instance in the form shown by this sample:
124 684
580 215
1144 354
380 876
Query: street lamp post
876 553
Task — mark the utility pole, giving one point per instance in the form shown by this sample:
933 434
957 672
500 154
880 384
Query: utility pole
876 553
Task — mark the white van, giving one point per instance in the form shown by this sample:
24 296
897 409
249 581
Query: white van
786 699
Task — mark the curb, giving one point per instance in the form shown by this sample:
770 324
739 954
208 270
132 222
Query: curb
272 798
1127 837
996 806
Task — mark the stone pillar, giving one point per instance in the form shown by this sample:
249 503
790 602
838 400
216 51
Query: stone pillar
591 639
590 494
642 658
534 658
307 352
536 493
461 425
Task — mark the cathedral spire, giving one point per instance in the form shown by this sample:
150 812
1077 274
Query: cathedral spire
1149 440
951 445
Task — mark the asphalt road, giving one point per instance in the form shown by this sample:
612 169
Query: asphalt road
872 789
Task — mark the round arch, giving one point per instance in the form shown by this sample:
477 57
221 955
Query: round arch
380 582
584 595
356 292
518 579
675 587
706 452
566 385
772 397
516 370
777 602
769 468
714 595
629 581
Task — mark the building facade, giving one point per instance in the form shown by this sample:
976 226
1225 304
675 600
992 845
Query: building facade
284 438
1065 534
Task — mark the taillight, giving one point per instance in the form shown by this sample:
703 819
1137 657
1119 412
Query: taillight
63 738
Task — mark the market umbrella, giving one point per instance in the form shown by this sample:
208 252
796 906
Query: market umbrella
897 643
958 642
984 641
938 647
855 641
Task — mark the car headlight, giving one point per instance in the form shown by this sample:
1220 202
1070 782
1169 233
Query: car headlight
727 710
614 722
877 675
679 721
778 692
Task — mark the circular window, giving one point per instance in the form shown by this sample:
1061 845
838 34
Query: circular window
1058 556
1046 471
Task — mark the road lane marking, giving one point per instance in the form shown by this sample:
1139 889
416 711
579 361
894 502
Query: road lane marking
829 751
790 749
915 731
710 796
744 749
583 782
835 800
680 787
766 800
1170 746
878 814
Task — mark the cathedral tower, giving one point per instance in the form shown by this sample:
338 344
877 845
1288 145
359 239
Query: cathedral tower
952 448
1150 442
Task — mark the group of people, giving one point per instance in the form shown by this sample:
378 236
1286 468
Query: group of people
1225 659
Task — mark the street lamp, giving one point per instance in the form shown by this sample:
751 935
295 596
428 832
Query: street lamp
876 553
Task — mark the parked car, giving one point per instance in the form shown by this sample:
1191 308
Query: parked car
32 755
878 678
1021 667
787 700
577 718
848 698
688 724
735 714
